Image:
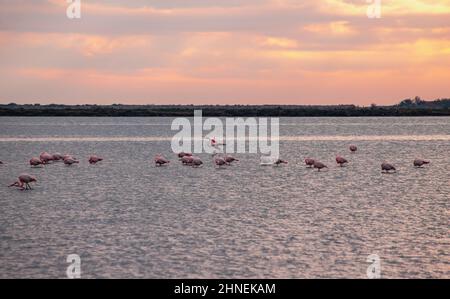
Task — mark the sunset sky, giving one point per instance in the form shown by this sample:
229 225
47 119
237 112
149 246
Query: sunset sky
224 52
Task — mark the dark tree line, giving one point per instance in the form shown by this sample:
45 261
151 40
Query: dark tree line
408 107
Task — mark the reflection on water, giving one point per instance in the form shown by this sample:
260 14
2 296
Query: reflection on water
127 218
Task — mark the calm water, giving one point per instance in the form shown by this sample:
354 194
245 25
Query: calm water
127 218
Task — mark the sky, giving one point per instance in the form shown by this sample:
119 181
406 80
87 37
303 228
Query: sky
224 52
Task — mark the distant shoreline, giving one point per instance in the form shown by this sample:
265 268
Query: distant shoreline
407 107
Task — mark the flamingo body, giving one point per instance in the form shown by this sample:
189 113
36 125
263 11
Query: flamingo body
319 165
420 162
24 180
341 161
94 159
386 167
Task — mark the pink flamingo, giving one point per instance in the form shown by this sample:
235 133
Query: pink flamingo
35 162
219 161
341 161
24 179
187 160
160 160
69 161
57 157
94 159
230 159
46 158
386 167
420 162
319 165
309 162
353 148
183 154
278 162
196 162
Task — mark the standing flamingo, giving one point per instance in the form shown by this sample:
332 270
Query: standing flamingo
386 167
353 148
309 162
160 160
95 159
183 154
341 161
419 162
196 162
319 165
35 162
69 161
24 179
57 157
230 159
46 158
278 162
219 161
187 160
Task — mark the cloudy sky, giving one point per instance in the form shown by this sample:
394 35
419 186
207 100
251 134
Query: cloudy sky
223 51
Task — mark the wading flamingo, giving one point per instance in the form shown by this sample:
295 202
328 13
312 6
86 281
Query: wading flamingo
386 167
196 162
46 158
420 162
219 161
230 159
94 159
69 161
24 180
57 157
35 162
341 161
278 162
160 160
309 162
319 165
183 154
187 160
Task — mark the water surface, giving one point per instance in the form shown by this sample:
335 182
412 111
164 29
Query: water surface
127 218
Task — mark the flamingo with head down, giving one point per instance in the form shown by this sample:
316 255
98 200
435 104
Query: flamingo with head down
94 159
341 161
319 165
183 154
220 161
309 162
57 157
387 167
46 158
187 160
278 162
34 162
196 162
230 159
70 161
24 180
419 163
160 160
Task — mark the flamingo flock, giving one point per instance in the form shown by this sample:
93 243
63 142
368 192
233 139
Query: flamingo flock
188 159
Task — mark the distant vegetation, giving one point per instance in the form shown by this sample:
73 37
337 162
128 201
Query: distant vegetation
408 107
